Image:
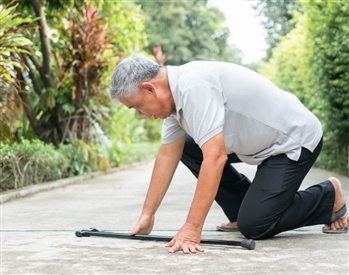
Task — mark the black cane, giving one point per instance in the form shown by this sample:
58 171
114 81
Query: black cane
93 232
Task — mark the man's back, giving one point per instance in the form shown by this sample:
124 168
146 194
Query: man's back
258 119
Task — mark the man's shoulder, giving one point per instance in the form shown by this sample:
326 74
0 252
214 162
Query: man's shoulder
195 72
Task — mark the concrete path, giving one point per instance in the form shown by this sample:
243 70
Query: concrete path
37 233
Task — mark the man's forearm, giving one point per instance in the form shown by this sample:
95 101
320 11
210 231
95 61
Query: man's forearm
165 165
161 178
206 190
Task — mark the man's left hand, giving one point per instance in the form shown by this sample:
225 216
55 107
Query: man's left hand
187 239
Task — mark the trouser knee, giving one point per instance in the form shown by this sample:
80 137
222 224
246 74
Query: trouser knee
252 230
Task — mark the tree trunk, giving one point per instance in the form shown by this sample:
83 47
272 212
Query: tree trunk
27 108
45 70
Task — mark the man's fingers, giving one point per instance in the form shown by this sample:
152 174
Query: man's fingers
199 248
134 231
187 248
174 244
174 249
170 244
131 233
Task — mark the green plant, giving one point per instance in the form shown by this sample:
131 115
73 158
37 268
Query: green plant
65 89
124 154
311 61
187 30
290 64
12 43
126 127
32 162
153 129
82 159
28 163
277 18
329 21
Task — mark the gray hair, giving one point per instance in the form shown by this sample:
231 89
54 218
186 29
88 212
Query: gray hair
129 74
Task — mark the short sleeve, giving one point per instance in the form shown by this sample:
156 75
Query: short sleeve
203 111
171 130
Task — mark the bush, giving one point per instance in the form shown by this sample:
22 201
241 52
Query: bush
32 162
28 163
82 159
332 157
133 153
329 21
125 127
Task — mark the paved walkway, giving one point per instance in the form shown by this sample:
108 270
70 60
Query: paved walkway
37 234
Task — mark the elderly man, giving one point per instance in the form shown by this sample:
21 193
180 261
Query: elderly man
216 114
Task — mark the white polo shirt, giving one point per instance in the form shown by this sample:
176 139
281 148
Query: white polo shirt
257 118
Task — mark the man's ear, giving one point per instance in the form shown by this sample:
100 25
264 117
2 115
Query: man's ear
147 87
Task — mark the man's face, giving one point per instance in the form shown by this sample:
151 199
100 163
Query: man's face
148 105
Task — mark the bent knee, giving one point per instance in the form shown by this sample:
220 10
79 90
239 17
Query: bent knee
254 230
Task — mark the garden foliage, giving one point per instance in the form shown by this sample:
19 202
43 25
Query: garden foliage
56 59
13 43
188 30
32 162
312 61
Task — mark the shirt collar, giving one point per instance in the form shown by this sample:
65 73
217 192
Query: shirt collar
172 74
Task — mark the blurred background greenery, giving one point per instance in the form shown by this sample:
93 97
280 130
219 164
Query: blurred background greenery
57 57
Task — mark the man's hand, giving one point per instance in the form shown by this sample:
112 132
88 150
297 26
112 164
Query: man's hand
215 157
165 165
144 225
187 239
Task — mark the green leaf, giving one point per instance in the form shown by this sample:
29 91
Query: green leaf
47 100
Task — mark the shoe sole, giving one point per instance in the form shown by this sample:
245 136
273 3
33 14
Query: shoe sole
223 229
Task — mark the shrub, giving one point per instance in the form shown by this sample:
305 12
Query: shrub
125 127
32 162
28 163
82 159
131 153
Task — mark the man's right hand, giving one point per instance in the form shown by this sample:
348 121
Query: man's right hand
165 165
144 225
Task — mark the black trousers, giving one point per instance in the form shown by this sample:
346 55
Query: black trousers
271 203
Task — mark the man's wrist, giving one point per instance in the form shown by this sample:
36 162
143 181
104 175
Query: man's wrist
194 223
147 212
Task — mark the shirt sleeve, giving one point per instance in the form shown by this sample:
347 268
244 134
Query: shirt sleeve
203 111
171 130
